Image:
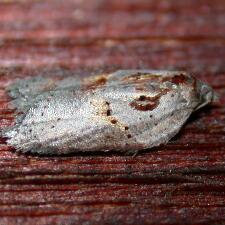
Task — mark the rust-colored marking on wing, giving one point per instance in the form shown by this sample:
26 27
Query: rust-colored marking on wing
147 103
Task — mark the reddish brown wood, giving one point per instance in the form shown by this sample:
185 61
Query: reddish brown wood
180 183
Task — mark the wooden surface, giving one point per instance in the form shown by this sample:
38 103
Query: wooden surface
180 183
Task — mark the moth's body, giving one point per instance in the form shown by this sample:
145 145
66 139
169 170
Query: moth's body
124 111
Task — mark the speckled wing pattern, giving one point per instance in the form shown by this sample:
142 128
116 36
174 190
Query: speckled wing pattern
126 111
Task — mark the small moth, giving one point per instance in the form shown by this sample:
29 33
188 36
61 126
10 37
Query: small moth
127 110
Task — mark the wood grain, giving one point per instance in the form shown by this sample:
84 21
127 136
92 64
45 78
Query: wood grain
180 183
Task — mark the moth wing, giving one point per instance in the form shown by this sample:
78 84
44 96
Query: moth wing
124 114
145 119
124 74
24 91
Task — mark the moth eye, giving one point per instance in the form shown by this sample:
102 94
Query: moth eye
126 128
129 136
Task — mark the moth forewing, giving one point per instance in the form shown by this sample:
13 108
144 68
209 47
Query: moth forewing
123 111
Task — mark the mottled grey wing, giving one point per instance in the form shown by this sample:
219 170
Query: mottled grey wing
124 111
112 117
24 91
134 75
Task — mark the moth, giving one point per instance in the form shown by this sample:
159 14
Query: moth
128 110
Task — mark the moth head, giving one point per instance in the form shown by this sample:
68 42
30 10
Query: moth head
206 94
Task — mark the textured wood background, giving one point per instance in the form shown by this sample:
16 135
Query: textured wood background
180 183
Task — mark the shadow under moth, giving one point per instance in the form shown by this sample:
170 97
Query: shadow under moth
127 111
